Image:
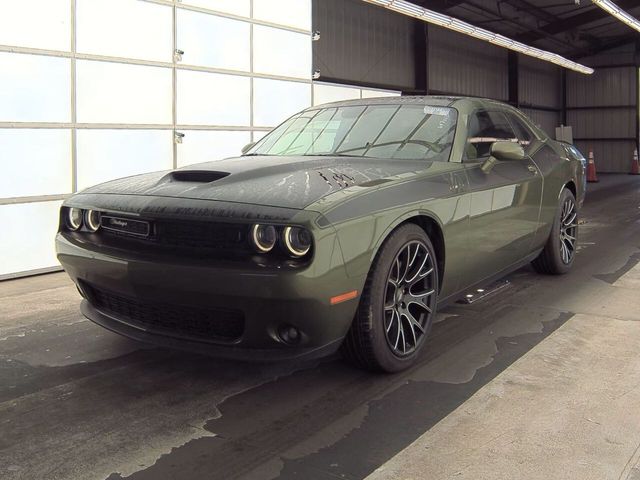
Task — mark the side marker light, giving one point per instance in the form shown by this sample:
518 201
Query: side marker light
343 297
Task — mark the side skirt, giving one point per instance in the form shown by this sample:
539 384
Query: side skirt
442 302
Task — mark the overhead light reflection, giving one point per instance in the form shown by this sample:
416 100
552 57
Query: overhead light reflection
617 12
429 16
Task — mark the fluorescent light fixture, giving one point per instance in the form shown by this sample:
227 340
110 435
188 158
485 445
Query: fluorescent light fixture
429 16
617 12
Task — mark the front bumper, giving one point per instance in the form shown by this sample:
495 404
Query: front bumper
266 300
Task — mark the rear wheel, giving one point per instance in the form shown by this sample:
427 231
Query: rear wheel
397 304
560 250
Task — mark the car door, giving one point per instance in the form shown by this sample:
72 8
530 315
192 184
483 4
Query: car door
504 201
547 160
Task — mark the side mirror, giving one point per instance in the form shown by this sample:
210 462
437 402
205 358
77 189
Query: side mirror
507 151
503 151
247 147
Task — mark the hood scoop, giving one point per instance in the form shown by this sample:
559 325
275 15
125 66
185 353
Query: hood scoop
196 176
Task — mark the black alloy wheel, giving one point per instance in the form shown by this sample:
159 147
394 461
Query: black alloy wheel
409 298
397 305
568 230
559 252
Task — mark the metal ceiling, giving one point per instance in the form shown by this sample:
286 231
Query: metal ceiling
560 26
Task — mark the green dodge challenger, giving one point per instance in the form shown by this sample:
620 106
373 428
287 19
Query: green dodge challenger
345 227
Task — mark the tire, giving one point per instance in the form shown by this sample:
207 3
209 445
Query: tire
559 252
397 304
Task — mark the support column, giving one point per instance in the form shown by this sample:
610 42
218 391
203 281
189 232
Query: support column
421 62
512 62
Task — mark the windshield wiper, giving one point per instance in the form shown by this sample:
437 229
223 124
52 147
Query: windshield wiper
300 155
330 155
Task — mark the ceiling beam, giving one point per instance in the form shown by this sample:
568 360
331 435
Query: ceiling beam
533 10
439 5
593 14
616 42
429 16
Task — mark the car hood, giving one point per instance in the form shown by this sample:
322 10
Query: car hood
281 181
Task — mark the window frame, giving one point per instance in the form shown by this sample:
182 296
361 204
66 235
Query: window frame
465 158
514 117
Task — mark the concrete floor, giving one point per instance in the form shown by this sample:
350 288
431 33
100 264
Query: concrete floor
540 381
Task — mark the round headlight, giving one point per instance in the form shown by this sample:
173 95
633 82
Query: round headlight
297 240
92 220
74 218
263 237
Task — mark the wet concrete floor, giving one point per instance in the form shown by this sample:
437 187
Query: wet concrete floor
78 402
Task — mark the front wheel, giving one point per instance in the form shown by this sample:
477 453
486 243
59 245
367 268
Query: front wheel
397 304
560 250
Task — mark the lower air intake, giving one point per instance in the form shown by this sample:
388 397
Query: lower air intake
211 324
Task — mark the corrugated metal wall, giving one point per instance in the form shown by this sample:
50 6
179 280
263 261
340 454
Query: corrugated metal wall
602 123
366 45
601 108
612 157
540 92
540 83
546 120
362 44
462 65
606 87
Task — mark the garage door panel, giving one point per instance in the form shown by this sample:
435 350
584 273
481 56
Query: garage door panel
35 162
108 154
293 13
274 101
117 93
235 7
29 250
280 52
213 99
202 146
34 88
36 24
212 41
97 20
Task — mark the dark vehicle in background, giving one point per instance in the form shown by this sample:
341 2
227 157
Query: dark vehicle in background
345 227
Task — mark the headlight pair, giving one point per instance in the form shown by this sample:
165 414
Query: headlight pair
296 240
75 217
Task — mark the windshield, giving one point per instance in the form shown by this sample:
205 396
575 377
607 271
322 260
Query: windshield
377 131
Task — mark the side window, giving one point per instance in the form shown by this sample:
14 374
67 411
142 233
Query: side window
523 132
483 129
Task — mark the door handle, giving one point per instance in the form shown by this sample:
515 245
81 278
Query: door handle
532 169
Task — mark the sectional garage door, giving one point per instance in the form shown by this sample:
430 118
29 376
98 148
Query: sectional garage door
92 90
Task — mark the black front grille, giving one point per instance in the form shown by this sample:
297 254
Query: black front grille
186 238
175 320
200 235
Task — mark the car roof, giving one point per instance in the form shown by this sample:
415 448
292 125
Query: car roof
464 105
459 102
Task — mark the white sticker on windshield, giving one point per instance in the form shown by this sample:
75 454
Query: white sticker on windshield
429 110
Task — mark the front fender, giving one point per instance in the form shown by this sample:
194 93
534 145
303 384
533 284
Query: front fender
361 238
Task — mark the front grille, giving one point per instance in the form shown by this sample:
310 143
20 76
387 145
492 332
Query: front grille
186 238
199 235
209 324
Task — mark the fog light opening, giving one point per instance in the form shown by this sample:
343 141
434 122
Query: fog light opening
289 334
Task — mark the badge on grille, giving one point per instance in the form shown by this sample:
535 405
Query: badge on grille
129 226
